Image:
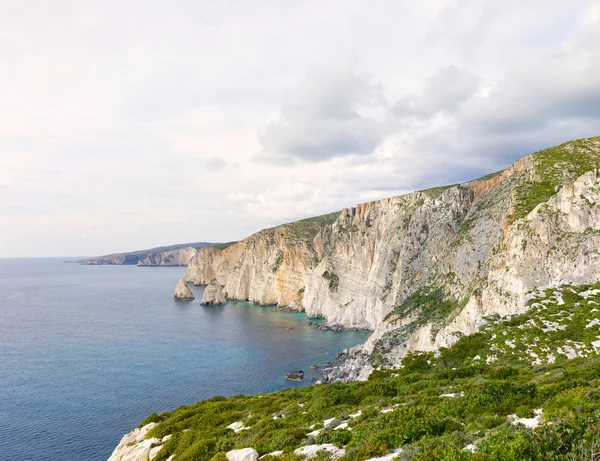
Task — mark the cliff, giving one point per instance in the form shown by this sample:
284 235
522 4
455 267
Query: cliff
423 269
179 257
169 255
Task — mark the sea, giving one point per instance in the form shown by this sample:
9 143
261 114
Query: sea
88 352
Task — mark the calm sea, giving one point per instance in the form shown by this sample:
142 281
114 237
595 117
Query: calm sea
87 352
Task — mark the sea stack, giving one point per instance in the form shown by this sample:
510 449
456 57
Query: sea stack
213 294
182 291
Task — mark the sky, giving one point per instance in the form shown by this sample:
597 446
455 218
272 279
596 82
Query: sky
131 124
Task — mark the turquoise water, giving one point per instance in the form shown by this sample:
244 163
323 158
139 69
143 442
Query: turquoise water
87 352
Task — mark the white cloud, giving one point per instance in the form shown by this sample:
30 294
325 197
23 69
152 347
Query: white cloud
136 124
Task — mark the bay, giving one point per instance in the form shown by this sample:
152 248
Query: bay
87 352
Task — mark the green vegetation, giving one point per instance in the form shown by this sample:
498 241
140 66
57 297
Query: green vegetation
334 280
278 261
561 323
431 304
434 406
306 229
553 167
222 246
435 192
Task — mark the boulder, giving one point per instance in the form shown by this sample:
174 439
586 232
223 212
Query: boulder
213 294
182 291
245 454
295 376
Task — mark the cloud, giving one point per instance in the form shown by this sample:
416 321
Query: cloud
444 91
216 127
338 113
215 164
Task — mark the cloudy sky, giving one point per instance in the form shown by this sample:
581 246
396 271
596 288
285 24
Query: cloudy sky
129 124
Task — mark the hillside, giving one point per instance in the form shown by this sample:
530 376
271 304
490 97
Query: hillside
484 301
425 268
491 396
153 256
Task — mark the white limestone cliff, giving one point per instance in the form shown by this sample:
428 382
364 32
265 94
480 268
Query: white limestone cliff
180 257
467 250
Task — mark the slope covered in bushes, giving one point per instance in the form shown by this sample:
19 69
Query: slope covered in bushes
457 404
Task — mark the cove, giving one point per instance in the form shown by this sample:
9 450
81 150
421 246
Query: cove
87 352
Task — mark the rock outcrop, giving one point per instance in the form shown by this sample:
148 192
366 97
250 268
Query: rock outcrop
213 294
424 268
134 446
182 291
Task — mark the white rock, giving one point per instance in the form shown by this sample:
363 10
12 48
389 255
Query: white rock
153 452
213 294
531 423
236 427
273 453
182 291
245 454
328 422
392 455
134 446
310 451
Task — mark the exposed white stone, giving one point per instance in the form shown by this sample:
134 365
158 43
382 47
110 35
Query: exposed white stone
328 422
531 423
273 453
310 451
154 451
134 446
237 427
245 454
392 455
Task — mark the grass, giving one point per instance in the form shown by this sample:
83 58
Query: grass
431 408
333 279
306 229
222 246
553 167
431 304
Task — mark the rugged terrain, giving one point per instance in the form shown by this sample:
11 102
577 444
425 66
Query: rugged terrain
525 388
423 269
171 255
484 299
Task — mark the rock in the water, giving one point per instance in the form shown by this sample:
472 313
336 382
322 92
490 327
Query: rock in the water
245 454
310 451
182 291
314 367
213 294
295 376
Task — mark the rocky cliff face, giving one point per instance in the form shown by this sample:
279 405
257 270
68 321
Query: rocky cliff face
425 268
179 257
